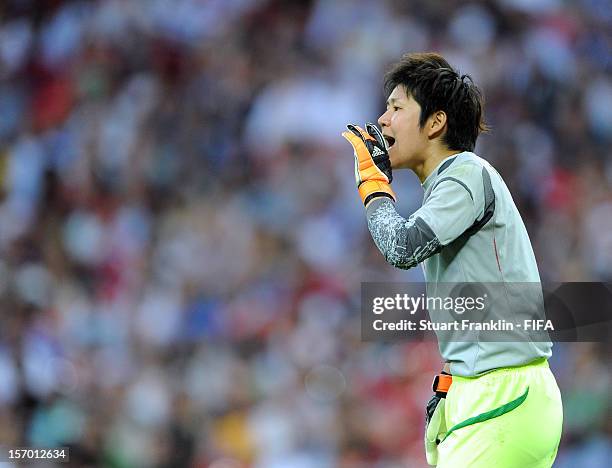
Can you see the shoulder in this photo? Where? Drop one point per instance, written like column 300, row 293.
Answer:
column 466, row 163
column 470, row 169
column 465, row 169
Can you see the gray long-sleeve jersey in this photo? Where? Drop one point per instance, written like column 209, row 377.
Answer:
column 467, row 230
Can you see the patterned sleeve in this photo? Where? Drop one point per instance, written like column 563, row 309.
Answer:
column 448, row 212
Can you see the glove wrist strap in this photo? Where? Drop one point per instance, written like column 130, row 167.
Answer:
column 441, row 384
column 370, row 189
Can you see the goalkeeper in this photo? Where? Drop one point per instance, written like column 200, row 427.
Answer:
column 496, row 404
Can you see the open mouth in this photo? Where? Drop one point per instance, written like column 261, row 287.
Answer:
column 390, row 140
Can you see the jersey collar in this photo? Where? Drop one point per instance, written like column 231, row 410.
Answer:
column 444, row 164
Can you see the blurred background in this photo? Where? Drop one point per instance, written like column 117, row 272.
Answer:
column 182, row 245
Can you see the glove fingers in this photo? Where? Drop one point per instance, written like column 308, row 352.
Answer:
column 377, row 134
column 353, row 129
column 431, row 407
column 356, row 141
column 436, row 424
column 360, row 132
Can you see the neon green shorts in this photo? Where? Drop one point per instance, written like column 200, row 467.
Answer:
column 507, row 418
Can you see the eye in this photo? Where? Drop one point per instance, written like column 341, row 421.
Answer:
column 395, row 108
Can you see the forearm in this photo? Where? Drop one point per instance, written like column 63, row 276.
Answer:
column 403, row 242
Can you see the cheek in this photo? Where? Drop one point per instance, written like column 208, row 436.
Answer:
column 405, row 124
column 414, row 131
column 406, row 133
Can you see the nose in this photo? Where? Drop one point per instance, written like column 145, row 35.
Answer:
column 383, row 120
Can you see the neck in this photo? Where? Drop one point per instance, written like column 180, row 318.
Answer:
column 431, row 161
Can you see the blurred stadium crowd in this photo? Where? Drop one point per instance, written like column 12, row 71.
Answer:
column 182, row 246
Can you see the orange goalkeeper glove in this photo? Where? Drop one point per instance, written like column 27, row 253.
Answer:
column 372, row 166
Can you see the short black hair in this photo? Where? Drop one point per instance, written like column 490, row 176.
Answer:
column 435, row 85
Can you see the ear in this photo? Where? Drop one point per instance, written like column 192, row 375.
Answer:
column 436, row 124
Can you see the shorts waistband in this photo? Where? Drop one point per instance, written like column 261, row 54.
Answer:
column 540, row 362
